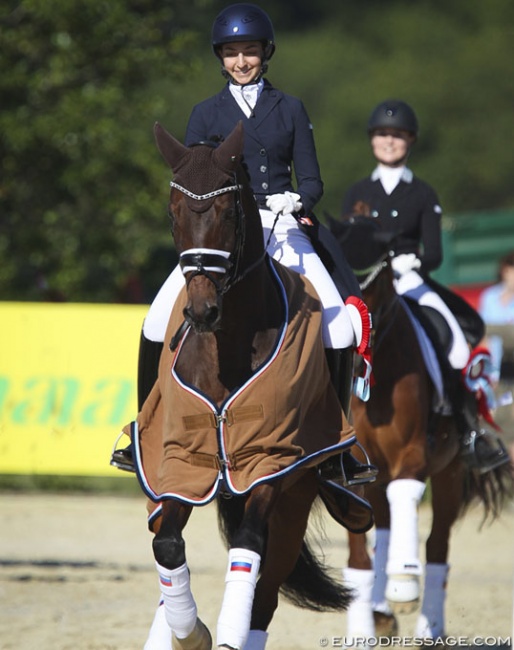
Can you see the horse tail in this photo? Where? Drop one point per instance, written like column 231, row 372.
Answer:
column 492, row 489
column 311, row 584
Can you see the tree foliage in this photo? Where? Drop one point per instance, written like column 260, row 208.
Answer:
column 83, row 190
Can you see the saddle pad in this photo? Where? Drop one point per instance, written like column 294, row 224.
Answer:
column 430, row 357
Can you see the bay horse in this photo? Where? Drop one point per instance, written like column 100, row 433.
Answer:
column 243, row 411
column 411, row 441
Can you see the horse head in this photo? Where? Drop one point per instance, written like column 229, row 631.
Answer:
column 214, row 219
column 367, row 249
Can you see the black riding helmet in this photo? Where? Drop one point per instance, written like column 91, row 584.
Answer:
column 243, row 22
column 393, row 114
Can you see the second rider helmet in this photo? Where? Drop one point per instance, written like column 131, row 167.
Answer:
column 393, row 114
column 243, row 22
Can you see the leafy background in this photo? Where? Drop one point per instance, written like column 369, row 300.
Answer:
column 83, row 190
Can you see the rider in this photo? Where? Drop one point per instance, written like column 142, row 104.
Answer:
column 409, row 208
column 278, row 138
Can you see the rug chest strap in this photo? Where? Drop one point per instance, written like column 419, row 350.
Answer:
column 232, row 416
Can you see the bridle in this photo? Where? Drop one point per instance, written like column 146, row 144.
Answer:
column 206, row 261
column 371, row 274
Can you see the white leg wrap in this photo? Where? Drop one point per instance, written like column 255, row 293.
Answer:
column 359, row 615
column 381, row 550
column 236, row 609
column 179, row 604
column 159, row 637
column 430, row 624
column 256, row 640
column 404, row 496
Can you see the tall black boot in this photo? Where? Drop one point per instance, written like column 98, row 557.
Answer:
column 147, row 371
column 345, row 467
column 481, row 449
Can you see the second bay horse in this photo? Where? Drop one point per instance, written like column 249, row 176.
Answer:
column 411, row 441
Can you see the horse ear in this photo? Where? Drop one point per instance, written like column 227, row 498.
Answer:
column 228, row 154
column 171, row 149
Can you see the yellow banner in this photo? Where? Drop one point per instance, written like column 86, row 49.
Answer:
column 67, row 385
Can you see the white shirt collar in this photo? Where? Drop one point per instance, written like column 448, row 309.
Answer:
column 247, row 96
column 391, row 176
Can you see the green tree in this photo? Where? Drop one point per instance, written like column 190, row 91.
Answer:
column 82, row 191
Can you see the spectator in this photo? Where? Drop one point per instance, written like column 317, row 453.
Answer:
column 496, row 306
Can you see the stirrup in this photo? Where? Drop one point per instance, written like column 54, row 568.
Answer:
column 122, row 458
column 346, row 470
column 489, row 454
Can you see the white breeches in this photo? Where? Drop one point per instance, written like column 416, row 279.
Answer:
column 290, row 246
column 411, row 284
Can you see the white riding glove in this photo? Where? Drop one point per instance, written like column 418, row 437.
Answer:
column 404, row 263
column 286, row 203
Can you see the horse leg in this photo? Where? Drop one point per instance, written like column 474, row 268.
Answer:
column 370, row 614
column 359, row 577
column 447, row 498
column 386, row 624
column 180, row 612
column 403, row 564
column 286, row 531
column 243, row 568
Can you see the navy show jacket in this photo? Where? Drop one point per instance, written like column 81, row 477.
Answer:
column 412, row 212
column 278, row 137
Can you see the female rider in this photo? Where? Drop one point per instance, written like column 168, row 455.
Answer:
column 278, row 138
column 409, row 208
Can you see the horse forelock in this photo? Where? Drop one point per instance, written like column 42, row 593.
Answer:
column 200, row 174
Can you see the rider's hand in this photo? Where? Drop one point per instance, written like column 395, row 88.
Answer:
column 286, row 203
column 404, row 263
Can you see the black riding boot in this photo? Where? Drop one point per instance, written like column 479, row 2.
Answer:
column 345, row 467
column 481, row 449
column 147, row 371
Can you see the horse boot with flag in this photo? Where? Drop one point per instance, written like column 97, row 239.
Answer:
column 345, row 468
column 147, row 371
column 472, row 398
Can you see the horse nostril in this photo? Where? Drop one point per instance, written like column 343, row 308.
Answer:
column 212, row 315
column 203, row 320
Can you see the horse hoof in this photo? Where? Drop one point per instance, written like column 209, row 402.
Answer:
column 386, row 625
column 402, row 592
column 199, row 639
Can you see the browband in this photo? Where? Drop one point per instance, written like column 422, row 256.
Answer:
column 209, row 195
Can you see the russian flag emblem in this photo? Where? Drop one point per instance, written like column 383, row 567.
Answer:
column 241, row 565
column 165, row 581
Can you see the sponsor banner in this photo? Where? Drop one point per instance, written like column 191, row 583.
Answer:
column 67, row 385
